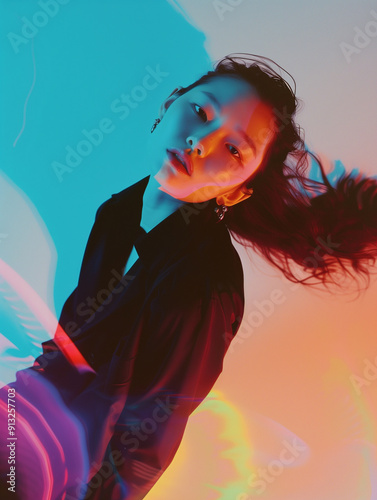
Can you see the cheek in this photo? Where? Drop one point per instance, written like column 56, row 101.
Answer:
column 252, row 166
column 219, row 164
column 232, row 172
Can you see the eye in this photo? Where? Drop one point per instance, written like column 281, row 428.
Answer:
column 233, row 151
column 200, row 112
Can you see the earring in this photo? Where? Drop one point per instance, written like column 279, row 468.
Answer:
column 156, row 122
column 220, row 212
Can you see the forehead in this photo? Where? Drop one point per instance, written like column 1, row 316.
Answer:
column 228, row 89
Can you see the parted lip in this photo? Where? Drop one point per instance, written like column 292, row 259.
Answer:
column 183, row 158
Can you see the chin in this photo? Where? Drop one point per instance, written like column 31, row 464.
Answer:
column 182, row 195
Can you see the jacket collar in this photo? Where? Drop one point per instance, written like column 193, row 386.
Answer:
column 190, row 223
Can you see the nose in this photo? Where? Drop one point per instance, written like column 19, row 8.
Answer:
column 195, row 145
column 203, row 143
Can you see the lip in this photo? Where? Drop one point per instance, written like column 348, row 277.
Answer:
column 183, row 158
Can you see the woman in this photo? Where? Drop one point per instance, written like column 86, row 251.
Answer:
column 160, row 292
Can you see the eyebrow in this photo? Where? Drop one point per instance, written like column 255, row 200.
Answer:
column 213, row 99
column 247, row 139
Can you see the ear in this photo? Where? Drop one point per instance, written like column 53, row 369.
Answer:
column 235, row 196
column 169, row 100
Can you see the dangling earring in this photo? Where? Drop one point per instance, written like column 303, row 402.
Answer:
column 220, row 211
column 221, row 208
column 156, row 122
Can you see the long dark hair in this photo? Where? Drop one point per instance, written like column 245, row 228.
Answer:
column 330, row 235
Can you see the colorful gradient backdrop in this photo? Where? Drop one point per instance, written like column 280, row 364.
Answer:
column 293, row 416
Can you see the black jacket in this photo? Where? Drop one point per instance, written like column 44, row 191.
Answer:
column 156, row 338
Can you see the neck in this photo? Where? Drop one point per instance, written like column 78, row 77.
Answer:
column 157, row 205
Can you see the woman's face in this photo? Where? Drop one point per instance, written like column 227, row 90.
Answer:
column 220, row 129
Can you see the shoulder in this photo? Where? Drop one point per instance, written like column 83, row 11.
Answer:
column 122, row 200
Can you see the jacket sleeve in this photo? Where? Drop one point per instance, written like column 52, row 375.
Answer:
column 185, row 354
column 106, row 252
column 52, row 362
